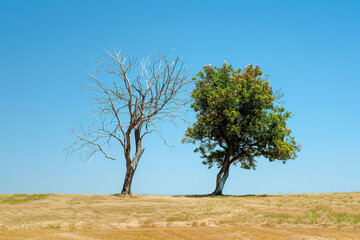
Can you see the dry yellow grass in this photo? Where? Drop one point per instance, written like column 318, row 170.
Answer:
column 299, row 216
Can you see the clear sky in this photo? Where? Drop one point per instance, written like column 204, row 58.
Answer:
column 310, row 49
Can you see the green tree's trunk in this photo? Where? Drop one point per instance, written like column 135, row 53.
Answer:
column 221, row 179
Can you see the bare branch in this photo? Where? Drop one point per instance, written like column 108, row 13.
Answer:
column 128, row 95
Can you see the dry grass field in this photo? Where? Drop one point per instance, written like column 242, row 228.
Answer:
column 299, row 216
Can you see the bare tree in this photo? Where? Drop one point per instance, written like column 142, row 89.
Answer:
column 130, row 98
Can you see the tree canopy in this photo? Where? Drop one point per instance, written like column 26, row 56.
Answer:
column 239, row 118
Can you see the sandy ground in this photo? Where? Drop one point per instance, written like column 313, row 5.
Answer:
column 300, row 216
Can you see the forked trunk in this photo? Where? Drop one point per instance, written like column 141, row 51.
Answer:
column 130, row 170
column 132, row 164
column 128, row 180
column 221, row 179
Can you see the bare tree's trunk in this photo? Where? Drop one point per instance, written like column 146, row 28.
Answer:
column 131, row 165
column 128, row 180
column 221, row 179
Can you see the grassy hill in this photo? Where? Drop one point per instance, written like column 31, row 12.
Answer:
column 63, row 216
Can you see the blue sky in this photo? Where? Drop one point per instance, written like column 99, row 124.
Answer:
column 310, row 49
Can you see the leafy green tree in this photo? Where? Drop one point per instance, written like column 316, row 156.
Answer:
column 239, row 119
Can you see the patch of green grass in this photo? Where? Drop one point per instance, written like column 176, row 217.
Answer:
column 342, row 218
column 312, row 215
column 356, row 219
column 277, row 216
column 51, row 226
column 280, row 218
column 178, row 218
column 23, row 198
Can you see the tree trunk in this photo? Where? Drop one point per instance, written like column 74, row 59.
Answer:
column 130, row 170
column 132, row 165
column 126, row 190
column 221, row 179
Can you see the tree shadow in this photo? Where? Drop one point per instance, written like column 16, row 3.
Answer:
column 225, row 196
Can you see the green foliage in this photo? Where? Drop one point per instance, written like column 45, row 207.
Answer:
column 239, row 118
column 23, row 198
